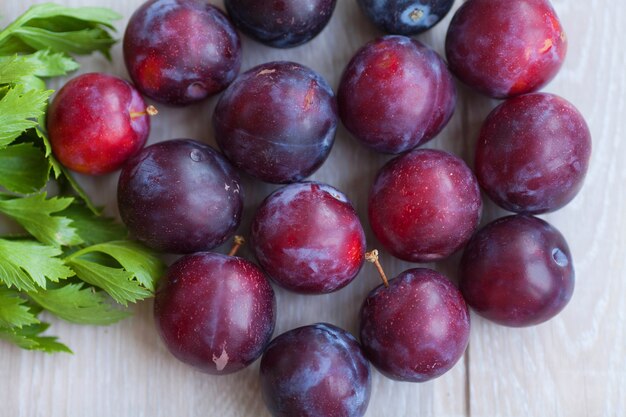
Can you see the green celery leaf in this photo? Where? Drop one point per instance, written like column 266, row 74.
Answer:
column 19, row 110
column 80, row 305
column 14, row 68
column 23, row 168
column 26, row 264
column 135, row 258
column 41, row 64
column 51, row 11
column 28, row 337
column 91, row 228
column 115, row 281
column 13, row 310
column 28, row 32
column 35, row 214
column 80, row 42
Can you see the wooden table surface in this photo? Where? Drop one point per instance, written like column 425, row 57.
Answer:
column 574, row 365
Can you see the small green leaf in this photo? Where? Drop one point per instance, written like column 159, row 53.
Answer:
column 26, row 264
column 50, row 11
column 13, row 311
column 23, row 168
column 115, row 281
column 28, row 337
column 145, row 266
column 80, row 305
column 41, row 64
column 35, row 214
column 19, row 110
column 14, row 68
column 91, row 228
column 80, row 42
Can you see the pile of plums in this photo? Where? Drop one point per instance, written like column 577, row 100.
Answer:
column 277, row 122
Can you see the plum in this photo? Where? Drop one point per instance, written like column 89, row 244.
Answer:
column 533, row 153
column 277, row 122
column 180, row 196
column 308, row 238
column 424, row 205
column 415, row 329
column 96, row 122
column 517, row 271
column 281, row 23
column 215, row 312
column 505, row 48
column 405, row 17
column 395, row 94
column 315, row 371
column 181, row 51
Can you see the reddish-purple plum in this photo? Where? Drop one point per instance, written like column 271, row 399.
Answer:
column 532, row 153
column 308, row 238
column 96, row 122
column 417, row 328
column 281, row 23
column 180, row 196
column 181, row 51
column 424, row 205
column 405, row 17
column 315, row 371
column 504, row 48
column 517, row 271
column 215, row 312
column 396, row 94
column 277, row 122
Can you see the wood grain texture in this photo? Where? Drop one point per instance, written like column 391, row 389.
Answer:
column 574, row 365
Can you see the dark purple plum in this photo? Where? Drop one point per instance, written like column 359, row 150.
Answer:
column 308, row 238
column 424, row 205
column 277, row 122
column 405, row 17
column 315, row 371
column 505, row 48
column 96, row 122
column 215, row 312
column 281, row 23
column 396, row 94
column 181, row 51
column 417, row 328
column 517, row 271
column 533, row 153
column 180, row 196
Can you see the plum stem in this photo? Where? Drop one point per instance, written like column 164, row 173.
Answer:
column 238, row 242
column 372, row 257
column 150, row 111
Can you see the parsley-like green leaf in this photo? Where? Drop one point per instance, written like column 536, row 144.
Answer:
column 80, row 42
column 14, row 68
column 35, row 214
column 93, row 229
column 115, row 281
column 77, row 304
column 135, row 258
column 26, row 264
column 23, row 168
column 28, row 337
column 19, row 110
column 61, row 29
column 13, row 310
column 41, row 64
